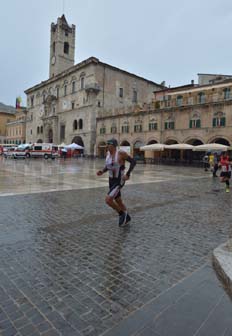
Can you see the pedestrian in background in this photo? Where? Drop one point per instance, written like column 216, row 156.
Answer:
column 206, row 161
column 215, row 164
column 225, row 165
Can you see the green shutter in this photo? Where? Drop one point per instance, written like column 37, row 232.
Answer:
column 214, row 122
column 190, row 124
column 198, row 124
column 166, row 125
column 223, row 121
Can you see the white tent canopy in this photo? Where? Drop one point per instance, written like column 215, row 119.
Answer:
column 74, row 146
column 211, row 147
column 180, row 146
column 154, row 147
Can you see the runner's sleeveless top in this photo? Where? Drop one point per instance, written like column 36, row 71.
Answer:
column 113, row 166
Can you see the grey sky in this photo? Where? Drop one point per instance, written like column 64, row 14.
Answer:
column 172, row 40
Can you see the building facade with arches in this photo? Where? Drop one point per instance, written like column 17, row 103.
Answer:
column 64, row 108
column 194, row 114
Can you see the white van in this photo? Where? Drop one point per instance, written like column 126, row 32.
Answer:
column 42, row 150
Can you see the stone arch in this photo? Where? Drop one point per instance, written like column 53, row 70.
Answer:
column 194, row 141
column 152, row 141
column 78, row 140
column 171, row 141
column 220, row 140
column 39, row 141
column 124, row 143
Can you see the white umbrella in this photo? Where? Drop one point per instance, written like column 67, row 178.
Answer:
column 211, row 146
column 181, row 146
column 154, row 147
column 62, row 145
column 74, row 146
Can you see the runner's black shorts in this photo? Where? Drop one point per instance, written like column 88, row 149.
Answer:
column 225, row 174
column 115, row 185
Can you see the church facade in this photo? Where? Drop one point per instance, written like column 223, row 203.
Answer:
column 65, row 107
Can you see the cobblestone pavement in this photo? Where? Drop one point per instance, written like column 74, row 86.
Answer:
column 65, row 266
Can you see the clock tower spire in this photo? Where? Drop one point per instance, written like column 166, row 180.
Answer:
column 62, row 46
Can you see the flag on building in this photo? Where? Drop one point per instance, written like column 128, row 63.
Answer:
column 18, row 102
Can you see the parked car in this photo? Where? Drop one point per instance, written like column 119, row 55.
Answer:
column 42, row 150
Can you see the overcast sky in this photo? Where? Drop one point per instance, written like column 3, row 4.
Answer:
column 170, row 40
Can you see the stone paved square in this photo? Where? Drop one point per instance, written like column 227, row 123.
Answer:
column 66, row 268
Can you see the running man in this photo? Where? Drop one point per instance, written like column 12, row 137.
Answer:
column 225, row 170
column 115, row 164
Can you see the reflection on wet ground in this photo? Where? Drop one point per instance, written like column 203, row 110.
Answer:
column 65, row 266
column 33, row 176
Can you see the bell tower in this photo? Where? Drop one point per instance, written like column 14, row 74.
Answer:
column 62, row 46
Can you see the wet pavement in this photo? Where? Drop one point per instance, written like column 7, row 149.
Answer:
column 65, row 266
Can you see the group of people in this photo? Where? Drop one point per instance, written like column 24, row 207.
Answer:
column 216, row 161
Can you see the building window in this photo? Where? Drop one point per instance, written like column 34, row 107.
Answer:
column 57, row 92
column 44, row 98
column 102, row 130
column 65, row 90
column 62, row 132
column 219, row 121
column 80, row 123
column 113, row 129
column 152, row 126
column 179, row 101
column 73, row 87
column 41, row 129
column 99, row 104
column 54, row 48
column 138, row 128
column 75, row 125
column 38, row 130
column 201, row 98
column 82, row 82
column 32, row 101
column 66, row 48
column 226, row 93
column 169, row 125
column 121, row 92
column 31, row 131
column 195, row 123
column 66, row 32
column 125, row 129
column 73, row 105
column 135, row 97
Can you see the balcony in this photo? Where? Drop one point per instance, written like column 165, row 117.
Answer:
column 93, row 87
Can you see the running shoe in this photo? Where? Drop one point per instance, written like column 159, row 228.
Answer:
column 128, row 218
column 122, row 218
column 227, row 189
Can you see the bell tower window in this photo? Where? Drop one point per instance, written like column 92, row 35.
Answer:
column 66, row 48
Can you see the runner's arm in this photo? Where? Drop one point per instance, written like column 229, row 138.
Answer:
column 102, row 171
column 132, row 162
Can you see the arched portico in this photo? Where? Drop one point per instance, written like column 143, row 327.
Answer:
column 220, row 140
column 152, row 141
